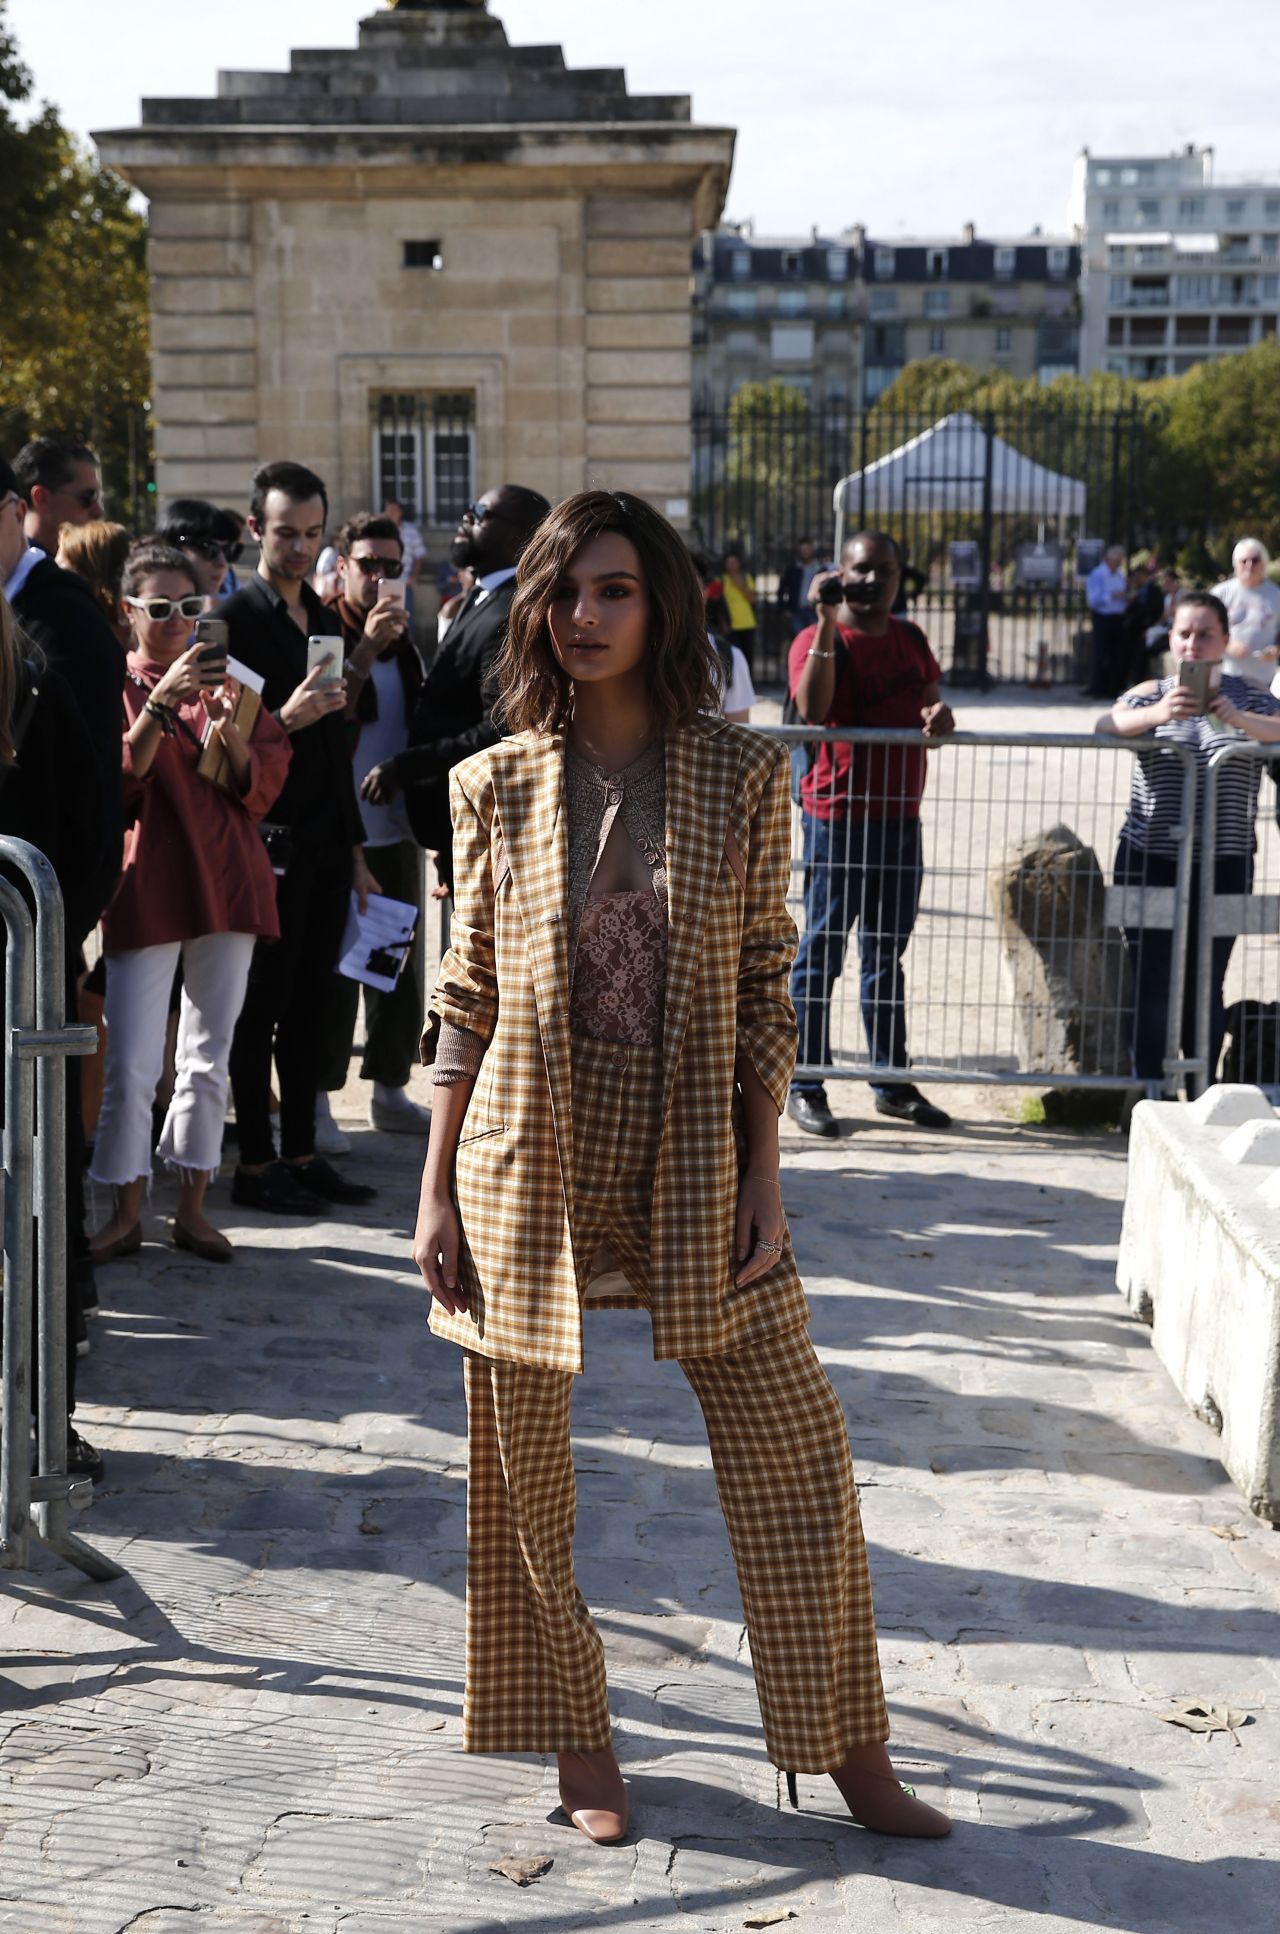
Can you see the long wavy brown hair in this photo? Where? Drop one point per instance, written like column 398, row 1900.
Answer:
column 96, row 552
column 536, row 692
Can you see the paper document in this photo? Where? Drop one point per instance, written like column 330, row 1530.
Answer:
column 251, row 680
column 378, row 941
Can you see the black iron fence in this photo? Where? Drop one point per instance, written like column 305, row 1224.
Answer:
column 1000, row 514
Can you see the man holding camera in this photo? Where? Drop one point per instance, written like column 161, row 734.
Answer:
column 861, row 666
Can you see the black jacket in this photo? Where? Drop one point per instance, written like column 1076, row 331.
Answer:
column 454, row 714
column 51, row 798
column 319, row 796
column 59, row 613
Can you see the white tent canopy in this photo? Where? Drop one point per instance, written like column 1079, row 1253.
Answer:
column 944, row 468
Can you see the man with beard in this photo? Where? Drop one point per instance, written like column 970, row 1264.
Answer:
column 454, row 713
column 314, row 838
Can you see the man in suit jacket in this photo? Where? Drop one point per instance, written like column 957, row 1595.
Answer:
column 454, row 713
column 59, row 613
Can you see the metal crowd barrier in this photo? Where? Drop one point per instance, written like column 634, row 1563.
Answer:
column 37, row 1037
column 1250, row 920
column 1022, row 955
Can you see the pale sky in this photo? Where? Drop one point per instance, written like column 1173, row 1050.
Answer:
column 914, row 117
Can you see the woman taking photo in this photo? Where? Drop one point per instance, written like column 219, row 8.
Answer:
column 612, row 1039
column 197, row 888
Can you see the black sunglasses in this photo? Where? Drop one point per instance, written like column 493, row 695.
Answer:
column 379, row 567
column 207, row 547
column 476, row 513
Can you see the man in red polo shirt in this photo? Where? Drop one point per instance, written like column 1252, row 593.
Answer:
column 860, row 666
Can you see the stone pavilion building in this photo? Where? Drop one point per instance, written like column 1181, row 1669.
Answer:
column 422, row 266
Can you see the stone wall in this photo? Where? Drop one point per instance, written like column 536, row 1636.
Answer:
column 565, row 210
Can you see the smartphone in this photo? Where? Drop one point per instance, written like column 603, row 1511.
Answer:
column 1202, row 679
column 391, row 591
column 320, row 649
column 211, row 650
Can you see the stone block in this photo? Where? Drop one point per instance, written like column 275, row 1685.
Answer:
column 628, row 440
column 639, row 331
column 638, row 406
column 199, row 221
column 666, row 368
column 616, row 295
column 659, row 482
column 234, row 258
column 1200, row 1250
column 200, row 295
column 1068, row 969
column 226, row 483
column 638, row 258
column 195, row 369
column 609, row 217
column 210, row 405
column 533, row 404
column 533, row 443
column 234, row 442
column 203, row 332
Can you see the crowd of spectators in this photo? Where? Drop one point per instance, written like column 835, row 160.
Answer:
column 190, row 749
column 223, row 767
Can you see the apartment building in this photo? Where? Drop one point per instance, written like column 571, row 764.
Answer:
column 1176, row 265
column 837, row 317
column 1006, row 304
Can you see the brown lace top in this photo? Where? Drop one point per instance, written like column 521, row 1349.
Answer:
column 617, row 941
column 619, row 969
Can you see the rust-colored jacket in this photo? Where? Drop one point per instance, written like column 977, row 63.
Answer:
column 506, row 978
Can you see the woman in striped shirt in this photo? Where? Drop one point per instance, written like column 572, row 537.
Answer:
column 1148, row 849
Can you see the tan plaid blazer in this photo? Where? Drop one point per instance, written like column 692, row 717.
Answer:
column 506, row 977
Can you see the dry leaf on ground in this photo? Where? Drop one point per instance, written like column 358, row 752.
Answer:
column 1226, row 1531
column 523, row 1869
column 1200, row 1716
column 771, row 1920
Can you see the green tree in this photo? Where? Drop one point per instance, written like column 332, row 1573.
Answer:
column 1218, row 475
column 73, row 322
column 774, row 473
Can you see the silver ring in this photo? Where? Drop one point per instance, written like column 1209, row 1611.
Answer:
column 774, row 1248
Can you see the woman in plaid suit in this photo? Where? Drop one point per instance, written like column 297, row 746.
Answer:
column 612, row 1039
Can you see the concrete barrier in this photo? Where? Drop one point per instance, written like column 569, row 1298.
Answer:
column 1200, row 1261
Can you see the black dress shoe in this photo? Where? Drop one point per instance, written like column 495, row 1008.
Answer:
column 810, row 1112
column 321, row 1179
column 908, row 1104
column 82, row 1459
column 274, row 1191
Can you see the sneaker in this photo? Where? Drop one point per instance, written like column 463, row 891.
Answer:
column 275, row 1191
column 808, row 1110
column 400, row 1116
column 330, row 1139
column 906, row 1103
column 318, row 1179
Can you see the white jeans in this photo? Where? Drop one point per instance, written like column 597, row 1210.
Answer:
column 215, row 972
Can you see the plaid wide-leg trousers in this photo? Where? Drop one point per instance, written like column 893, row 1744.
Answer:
column 535, row 1663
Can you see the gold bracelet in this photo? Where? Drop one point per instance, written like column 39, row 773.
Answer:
column 763, row 1178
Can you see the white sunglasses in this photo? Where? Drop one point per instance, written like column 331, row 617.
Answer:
column 160, row 610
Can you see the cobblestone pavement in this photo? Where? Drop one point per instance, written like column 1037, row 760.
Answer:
column 257, row 1731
